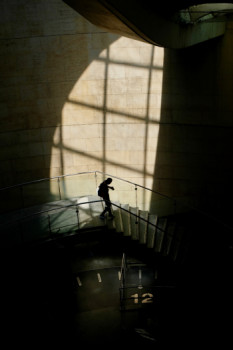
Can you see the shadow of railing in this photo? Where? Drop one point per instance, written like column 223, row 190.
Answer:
column 25, row 222
column 59, row 222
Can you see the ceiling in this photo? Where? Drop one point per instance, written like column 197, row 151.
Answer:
column 168, row 24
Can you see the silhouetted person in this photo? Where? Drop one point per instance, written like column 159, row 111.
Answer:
column 103, row 192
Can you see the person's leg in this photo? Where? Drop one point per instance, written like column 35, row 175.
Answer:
column 103, row 212
column 107, row 208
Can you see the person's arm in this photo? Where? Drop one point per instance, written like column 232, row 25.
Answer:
column 112, row 188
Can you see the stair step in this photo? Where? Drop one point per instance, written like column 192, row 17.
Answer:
column 143, row 226
column 160, row 232
column 126, row 220
column 185, row 245
column 63, row 220
column 88, row 213
column 164, row 236
column 151, row 230
column 37, row 227
column 96, row 209
column 170, row 231
column 117, row 217
column 177, row 242
column 134, row 223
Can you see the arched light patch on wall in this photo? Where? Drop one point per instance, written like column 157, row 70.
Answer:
column 110, row 121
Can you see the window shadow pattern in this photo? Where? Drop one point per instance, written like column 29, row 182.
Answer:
column 105, row 109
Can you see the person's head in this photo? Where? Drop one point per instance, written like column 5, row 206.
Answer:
column 109, row 180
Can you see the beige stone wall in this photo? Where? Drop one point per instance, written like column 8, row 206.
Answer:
column 110, row 118
column 196, row 126
column 74, row 99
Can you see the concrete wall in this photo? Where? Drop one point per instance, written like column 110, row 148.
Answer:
column 74, row 98
column 196, row 138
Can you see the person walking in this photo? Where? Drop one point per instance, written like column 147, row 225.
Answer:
column 103, row 191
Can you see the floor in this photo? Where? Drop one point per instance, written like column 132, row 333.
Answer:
column 67, row 293
column 99, row 319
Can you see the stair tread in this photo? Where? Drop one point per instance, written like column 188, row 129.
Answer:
column 89, row 212
column 117, row 217
column 134, row 223
column 160, row 232
column 143, row 215
column 167, row 238
column 151, row 230
column 126, row 219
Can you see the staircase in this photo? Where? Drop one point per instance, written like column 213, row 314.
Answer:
column 169, row 243
column 155, row 236
column 166, row 237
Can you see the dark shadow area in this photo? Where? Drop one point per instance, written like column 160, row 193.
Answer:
column 194, row 149
column 37, row 301
column 43, row 300
column 193, row 164
column 38, row 290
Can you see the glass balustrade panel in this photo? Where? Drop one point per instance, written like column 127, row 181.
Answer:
column 124, row 192
column 77, row 186
column 41, row 192
column 154, row 202
column 143, row 198
column 35, row 227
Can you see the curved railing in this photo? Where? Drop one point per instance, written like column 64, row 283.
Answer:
column 65, row 187
column 50, row 224
column 29, row 198
column 81, row 184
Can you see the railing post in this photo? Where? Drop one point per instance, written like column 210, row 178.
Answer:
column 21, row 195
column 49, row 225
column 21, row 231
column 59, row 189
column 122, row 282
column 136, row 194
column 77, row 212
column 96, row 180
column 174, row 204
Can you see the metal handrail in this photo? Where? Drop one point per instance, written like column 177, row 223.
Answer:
column 132, row 183
column 81, row 173
column 20, row 220
column 122, row 272
column 44, row 179
column 52, row 209
column 75, row 205
column 90, row 172
column 205, row 214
